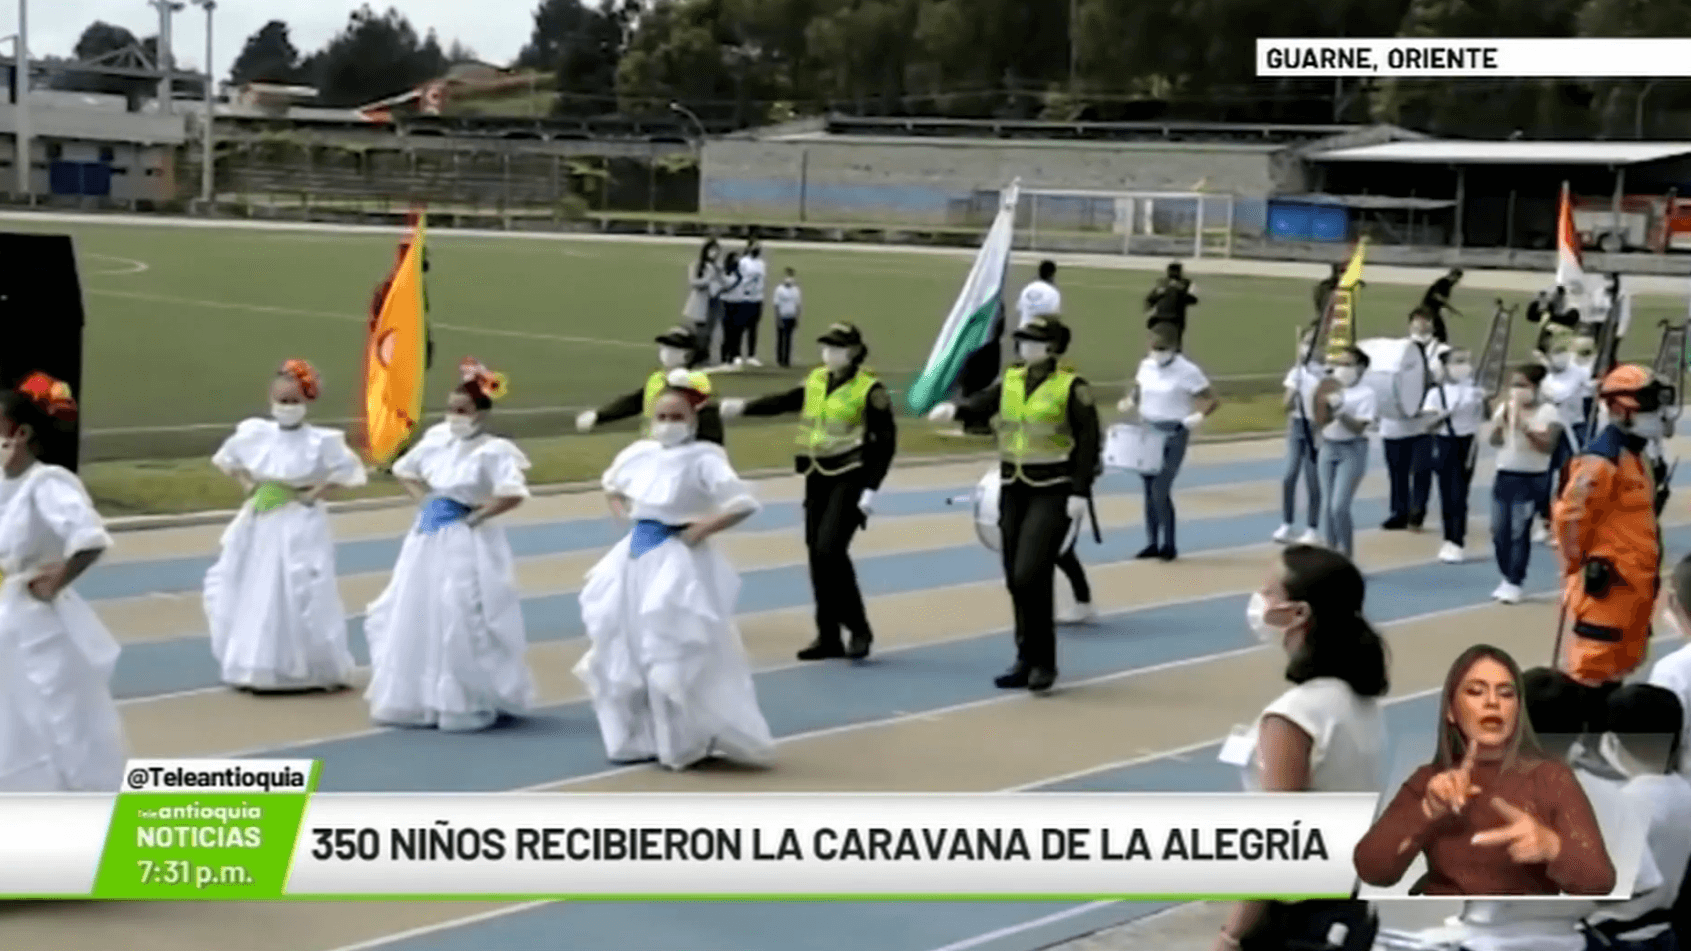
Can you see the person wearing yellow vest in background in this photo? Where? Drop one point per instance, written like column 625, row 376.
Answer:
column 846, row 442
column 1607, row 535
column 676, row 347
column 1049, row 448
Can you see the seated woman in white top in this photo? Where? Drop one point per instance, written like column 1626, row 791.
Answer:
column 1303, row 442
column 1325, row 734
column 1525, row 429
column 447, row 644
column 272, row 601
column 667, row 672
column 1344, row 409
column 59, row 727
column 1174, row 398
column 1454, row 410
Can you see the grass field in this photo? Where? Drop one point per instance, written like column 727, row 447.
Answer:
column 186, row 325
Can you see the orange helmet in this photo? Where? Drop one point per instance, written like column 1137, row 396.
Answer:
column 1635, row 388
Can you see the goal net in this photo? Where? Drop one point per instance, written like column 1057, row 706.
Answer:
column 1181, row 224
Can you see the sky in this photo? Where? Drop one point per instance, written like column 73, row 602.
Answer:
column 494, row 29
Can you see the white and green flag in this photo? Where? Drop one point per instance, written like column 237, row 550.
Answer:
column 969, row 327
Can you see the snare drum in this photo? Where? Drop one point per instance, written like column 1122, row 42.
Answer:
column 986, row 510
column 1398, row 375
column 1135, row 446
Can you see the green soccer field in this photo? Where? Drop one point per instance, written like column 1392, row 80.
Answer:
column 186, row 326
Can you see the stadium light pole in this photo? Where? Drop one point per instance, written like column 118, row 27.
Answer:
column 167, row 61
column 24, row 157
column 208, row 157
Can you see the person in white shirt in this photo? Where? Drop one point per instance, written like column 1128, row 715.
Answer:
column 1525, row 430
column 789, row 306
column 1454, row 410
column 1303, row 443
column 1174, row 398
column 1568, row 387
column 732, row 306
column 754, row 272
column 1673, row 671
column 1409, row 447
column 1642, row 745
column 1344, row 409
column 1325, row 734
column 1041, row 297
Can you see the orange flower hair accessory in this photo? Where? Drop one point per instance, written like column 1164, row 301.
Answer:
column 305, row 375
column 492, row 385
column 52, row 397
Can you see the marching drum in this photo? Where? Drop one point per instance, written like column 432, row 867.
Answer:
column 986, row 514
column 1135, row 446
column 1397, row 373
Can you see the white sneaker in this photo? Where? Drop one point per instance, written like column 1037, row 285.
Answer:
column 1283, row 534
column 753, row 362
column 1311, row 537
column 1540, row 533
column 1507, row 593
column 1450, row 554
column 739, row 362
column 1082, row 613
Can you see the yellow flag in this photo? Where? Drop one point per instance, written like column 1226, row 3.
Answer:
column 1339, row 321
column 1353, row 271
column 395, row 359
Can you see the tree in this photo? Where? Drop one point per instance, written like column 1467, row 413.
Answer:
column 268, row 56
column 101, row 38
column 582, row 46
column 372, row 58
column 1621, row 104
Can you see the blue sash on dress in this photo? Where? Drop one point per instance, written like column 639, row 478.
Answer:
column 439, row 512
column 648, row 535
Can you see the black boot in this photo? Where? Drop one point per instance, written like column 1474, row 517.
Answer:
column 858, row 647
column 1016, row 678
column 822, row 649
column 1040, row 679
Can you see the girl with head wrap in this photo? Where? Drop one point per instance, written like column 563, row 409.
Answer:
column 667, row 673
column 275, row 611
column 59, row 727
column 447, row 644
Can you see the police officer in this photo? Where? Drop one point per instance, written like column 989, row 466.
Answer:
column 846, row 442
column 1049, row 447
column 676, row 349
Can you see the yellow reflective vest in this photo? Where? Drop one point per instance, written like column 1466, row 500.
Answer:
column 832, row 424
column 1033, row 428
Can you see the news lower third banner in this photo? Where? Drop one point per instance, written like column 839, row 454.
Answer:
column 240, row 830
column 1450, row 58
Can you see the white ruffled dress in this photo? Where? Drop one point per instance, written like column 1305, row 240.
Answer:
column 447, row 644
column 275, row 611
column 666, row 670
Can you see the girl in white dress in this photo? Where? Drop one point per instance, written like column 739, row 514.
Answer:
column 59, row 727
column 447, row 645
column 667, row 672
column 277, row 621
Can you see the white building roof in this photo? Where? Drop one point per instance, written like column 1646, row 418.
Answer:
column 1458, row 152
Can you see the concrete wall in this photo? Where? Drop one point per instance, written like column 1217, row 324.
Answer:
column 938, row 182
column 140, row 147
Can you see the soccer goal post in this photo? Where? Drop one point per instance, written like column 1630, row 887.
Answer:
column 1128, row 222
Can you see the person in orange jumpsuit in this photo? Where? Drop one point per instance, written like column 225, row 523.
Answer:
column 1607, row 535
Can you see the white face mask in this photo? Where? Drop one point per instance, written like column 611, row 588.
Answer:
column 460, row 425
column 672, row 358
column 1585, row 361
column 1032, row 351
column 1346, row 375
column 288, row 414
column 671, row 434
column 1461, row 372
column 1560, row 361
column 1256, row 615
column 836, row 358
column 1648, row 426
column 1522, row 394
column 1162, row 358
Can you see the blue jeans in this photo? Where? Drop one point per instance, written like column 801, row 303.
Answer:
column 1302, row 448
column 1515, row 499
column 1343, row 461
column 1159, row 489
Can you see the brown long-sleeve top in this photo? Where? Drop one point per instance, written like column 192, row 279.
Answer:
column 1546, row 789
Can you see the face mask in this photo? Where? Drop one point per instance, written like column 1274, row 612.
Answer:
column 1162, row 357
column 1560, row 361
column 1256, row 615
column 1585, row 360
column 1346, row 375
column 288, row 414
column 460, row 425
column 1420, row 336
column 1461, row 372
column 671, row 434
column 1031, row 351
column 836, row 358
column 1647, row 426
column 1521, row 394
column 672, row 358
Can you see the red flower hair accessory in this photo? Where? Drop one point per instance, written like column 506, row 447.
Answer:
column 52, row 397
column 492, row 385
column 305, row 375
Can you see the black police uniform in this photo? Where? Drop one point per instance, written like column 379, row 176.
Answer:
column 634, row 403
column 1033, row 518
column 833, row 486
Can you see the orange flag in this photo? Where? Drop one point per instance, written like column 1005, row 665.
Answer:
column 395, row 359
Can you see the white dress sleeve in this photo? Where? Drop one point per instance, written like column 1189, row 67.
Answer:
column 614, row 481
column 410, row 465
column 65, row 507
column 343, row 466
column 233, row 455
column 1311, row 708
column 727, row 491
column 1195, row 381
column 506, row 466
